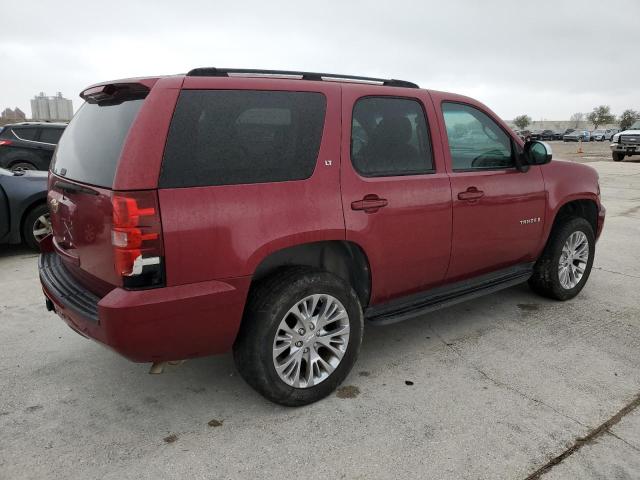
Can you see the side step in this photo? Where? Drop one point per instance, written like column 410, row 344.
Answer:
column 447, row 295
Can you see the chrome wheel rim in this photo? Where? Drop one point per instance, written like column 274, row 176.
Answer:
column 311, row 340
column 41, row 227
column 573, row 260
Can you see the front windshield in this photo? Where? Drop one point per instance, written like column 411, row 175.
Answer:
column 635, row 126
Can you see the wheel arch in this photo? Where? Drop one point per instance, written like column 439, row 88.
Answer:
column 344, row 259
column 22, row 155
column 581, row 207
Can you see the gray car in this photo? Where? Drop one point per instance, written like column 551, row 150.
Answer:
column 25, row 215
column 576, row 136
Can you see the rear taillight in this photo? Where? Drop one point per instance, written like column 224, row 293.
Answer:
column 136, row 236
column 5, row 143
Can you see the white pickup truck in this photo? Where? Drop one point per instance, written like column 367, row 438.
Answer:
column 626, row 143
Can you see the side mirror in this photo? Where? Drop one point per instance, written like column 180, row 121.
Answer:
column 537, row 153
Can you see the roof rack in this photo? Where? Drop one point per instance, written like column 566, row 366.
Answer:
column 250, row 72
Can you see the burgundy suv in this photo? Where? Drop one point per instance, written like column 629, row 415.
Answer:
column 273, row 212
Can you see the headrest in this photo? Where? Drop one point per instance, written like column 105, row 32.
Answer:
column 394, row 129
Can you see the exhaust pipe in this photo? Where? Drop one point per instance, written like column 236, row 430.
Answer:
column 158, row 367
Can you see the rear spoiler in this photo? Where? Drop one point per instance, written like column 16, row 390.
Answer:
column 114, row 93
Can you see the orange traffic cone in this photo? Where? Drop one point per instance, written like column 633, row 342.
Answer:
column 579, row 146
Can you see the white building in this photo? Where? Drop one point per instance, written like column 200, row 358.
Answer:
column 51, row 108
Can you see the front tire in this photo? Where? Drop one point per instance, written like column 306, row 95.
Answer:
column 565, row 264
column 618, row 157
column 300, row 336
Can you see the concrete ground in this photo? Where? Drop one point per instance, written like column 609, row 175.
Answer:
column 584, row 152
column 495, row 388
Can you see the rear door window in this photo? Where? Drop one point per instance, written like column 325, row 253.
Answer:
column 90, row 148
column 50, row 135
column 226, row 137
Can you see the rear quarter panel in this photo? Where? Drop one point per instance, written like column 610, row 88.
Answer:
column 219, row 232
column 141, row 158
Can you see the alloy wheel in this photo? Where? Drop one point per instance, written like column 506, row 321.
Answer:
column 573, row 260
column 311, row 340
column 41, row 227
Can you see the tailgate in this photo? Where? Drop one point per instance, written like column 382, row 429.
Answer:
column 81, row 219
column 81, row 182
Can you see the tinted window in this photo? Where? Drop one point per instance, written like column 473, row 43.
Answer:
column 223, row 137
column 475, row 140
column 91, row 145
column 25, row 133
column 389, row 136
column 50, row 135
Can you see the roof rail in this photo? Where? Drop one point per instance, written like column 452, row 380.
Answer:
column 250, row 72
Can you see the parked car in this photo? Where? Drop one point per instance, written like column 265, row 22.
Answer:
column 557, row 135
column 536, row 135
column 547, row 135
column 568, row 131
column 29, row 145
column 577, row 135
column 23, row 203
column 626, row 143
column 272, row 216
column 610, row 132
column 599, row 135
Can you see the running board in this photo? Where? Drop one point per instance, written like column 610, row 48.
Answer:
column 447, row 295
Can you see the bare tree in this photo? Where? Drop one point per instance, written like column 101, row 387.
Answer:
column 522, row 121
column 601, row 116
column 628, row 118
column 576, row 119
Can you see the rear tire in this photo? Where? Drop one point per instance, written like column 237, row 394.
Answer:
column 547, row 279
column 18, row 166
column 263, row 334
column 36, row 226
column 617, row 157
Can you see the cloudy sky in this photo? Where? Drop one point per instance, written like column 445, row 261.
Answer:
column 544, row 58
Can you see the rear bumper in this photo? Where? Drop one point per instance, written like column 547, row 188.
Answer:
column 169, row 323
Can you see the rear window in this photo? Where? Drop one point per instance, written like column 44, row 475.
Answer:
column 225, row 137
column 91, row 145
column 25, row 133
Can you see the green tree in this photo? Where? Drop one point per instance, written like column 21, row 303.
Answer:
column 601, row 116
column 522, row 121
column 628, row 118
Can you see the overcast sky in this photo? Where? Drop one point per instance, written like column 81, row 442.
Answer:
column 545, row 58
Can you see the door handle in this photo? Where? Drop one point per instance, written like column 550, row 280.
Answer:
column 472, row 193
column 370, row 203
